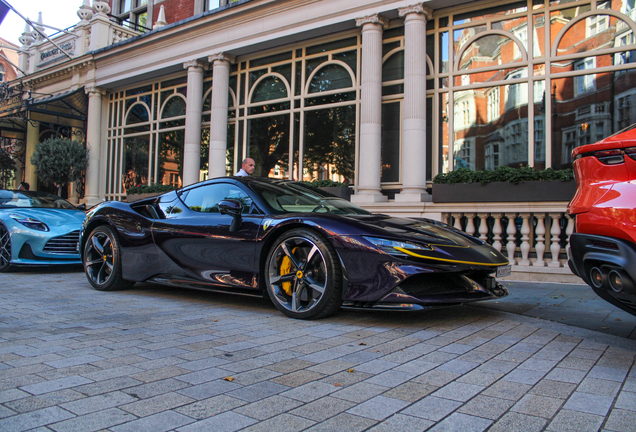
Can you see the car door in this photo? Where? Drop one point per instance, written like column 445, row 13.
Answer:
column 200, row 240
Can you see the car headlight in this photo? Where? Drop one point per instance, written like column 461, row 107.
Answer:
column 30, row 222
column 389, row 246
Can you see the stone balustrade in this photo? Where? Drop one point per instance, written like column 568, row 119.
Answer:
column 533, row 236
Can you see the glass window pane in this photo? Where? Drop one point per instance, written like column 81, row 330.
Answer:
column 492, row 12
column 135, row 169
column 329, row 144
column 487, row 51
column 331, row 46
column 174, row 107
column 330, row 77
column 393, row 67
column 206, row 198
column 491, row 127
column 593, row 33
column 391, row 127
column 170, row 158
column 268, row 143
column 269, row 89
column 212, row 4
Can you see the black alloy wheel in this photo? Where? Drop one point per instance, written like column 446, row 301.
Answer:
column 303, row 275
column 102, row 260
column 5, row 248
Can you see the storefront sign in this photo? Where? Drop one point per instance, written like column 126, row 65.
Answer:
column 54, row 53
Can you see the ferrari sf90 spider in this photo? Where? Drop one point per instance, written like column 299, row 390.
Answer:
column 310, row 251
column 38, row 228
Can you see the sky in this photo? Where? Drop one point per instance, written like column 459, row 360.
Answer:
column 56, row 13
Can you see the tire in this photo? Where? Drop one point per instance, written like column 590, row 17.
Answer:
column 303, row 275
column 102, row 260
column 5, row 249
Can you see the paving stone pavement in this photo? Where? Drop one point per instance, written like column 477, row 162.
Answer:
column 159, row 359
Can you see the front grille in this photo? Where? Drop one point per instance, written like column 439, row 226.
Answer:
column 66, row 244
column 422, row 285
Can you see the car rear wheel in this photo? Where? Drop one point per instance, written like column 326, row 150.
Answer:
column 303, row 275
column 5, row 248
column 102, row 260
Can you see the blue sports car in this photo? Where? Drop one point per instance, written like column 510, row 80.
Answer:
column 38, row 228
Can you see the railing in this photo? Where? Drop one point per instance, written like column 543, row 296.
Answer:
column 531, row 239
column 533, row 236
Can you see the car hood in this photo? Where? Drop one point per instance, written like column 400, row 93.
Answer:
column 51, row 217
column 421, row 230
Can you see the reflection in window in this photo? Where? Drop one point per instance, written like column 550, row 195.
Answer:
column 269, row 143
column 330, row 77
column 270, row 88
column 585, row 83
column 464, row 154
column 494, row 109
column 206, row 199
column 390, row 142
column 135, row 169
column 330, row 144
column 170, row 157
column 175, row 107
column 393, row 67
column 488, row 51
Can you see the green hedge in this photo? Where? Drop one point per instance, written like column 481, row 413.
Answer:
column 325, row 183
column 155, row 188
column 503, row 174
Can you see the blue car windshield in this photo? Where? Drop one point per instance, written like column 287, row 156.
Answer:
column 293, row 197
column 33, row 199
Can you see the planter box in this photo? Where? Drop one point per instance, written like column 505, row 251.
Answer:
column 138, row 197
column 533, row 191
column 343, row 192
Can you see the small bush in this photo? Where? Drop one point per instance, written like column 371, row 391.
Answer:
column 155, row 188
column 503, row 174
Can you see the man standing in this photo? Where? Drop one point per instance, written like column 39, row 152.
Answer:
column 247, row 168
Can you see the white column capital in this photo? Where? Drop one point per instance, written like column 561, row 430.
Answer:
column 92, row 90
column 195, row 64
column 417, row 8
column 221, row 57
column 372, row 19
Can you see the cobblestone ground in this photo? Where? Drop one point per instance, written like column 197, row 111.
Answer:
column 158, row 359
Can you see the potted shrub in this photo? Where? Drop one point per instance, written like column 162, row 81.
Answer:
column 504, row 184
column 339, row 189
column 60, row 161
column 139, row 192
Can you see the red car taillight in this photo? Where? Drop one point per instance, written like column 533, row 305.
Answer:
column 610, row 157
column 631, row 152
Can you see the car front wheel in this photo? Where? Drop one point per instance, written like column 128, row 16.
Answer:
column 5, row 248
column 303, row 275
column 102, row 260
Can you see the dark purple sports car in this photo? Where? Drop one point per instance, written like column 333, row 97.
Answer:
column 309, row 250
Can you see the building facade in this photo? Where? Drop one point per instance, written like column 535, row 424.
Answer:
column 383, row 95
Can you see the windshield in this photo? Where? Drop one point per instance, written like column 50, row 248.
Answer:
column 33, row 199
column 293, row 197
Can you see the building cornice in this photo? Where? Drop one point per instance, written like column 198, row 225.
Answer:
column 53, row 73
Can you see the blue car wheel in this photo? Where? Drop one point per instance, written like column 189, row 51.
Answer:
column 5, row 248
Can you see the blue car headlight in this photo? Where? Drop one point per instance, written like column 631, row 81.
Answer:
column 389, row 246
column 30, row 222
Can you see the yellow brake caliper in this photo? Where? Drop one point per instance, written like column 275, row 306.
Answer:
column 285, row 268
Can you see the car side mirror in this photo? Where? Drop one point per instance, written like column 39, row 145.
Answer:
column 232, row 207
column 81, row 206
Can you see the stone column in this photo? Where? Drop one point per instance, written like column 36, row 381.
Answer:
column 93, row 143
column 218, row 118
column 414, row 123
column 194, row 107
column 32, row 138
column 369, row 190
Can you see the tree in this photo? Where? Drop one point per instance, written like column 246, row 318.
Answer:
column 60, row 160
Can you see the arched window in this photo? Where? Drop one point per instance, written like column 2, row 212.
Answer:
column 486, row 51
column 174, row 107
column 137, row 114
column 270, row 88
column 2, row 73
column 393, row 67
column 330, row 77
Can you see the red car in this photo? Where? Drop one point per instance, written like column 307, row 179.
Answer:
column 603, row 248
